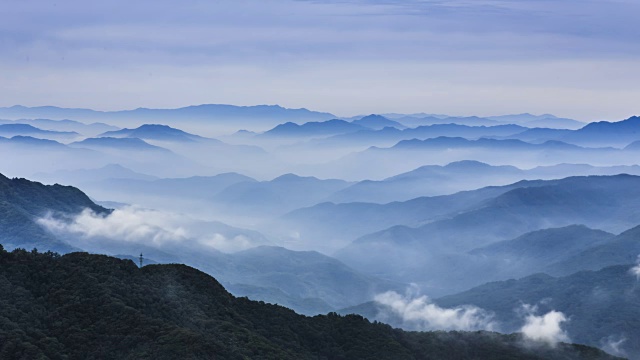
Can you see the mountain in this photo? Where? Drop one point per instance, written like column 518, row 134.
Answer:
column 64, row 126
column 416, row 254
column 389, row 136
column 171, row 189
column 209, row 113
column 538, row 135
column 27, row 155
column 93, row 306
column 407, row 155
column 547, row 245
column 601, row 305
column 544, row 120
column 333, row 226
column 539, row 250
column 634, row 146
column 118, row 144
column 444, row 142
column 313, row 129
column 23, row 202
column 377, row 122
column 597, row 134
column 301, row 274
column 604, row 133
column 622, row 249
column 434, row 180
column 555, row 123
column 277, row 196
column 430, row 180
column 9, row 130
column 32, row 143
column 156, row 132
column 411, row 121
column 90, row 129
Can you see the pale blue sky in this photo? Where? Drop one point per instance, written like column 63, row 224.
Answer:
column 574, row 58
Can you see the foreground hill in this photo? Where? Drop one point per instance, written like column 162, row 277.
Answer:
column 81, row 306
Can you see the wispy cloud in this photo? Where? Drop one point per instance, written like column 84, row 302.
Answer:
column 614, row 345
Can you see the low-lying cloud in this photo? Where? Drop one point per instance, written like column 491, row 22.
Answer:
column 421, row 313
column 544, row 328
column 149, row 227
column 636, row 269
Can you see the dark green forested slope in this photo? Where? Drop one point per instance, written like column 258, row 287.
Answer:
column 23, row 201
column 81, row 306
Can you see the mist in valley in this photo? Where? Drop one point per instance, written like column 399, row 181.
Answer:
column 330, row 213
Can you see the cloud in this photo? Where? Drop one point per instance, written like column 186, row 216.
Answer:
column 636, row 269
column 421, row 314
column 614, row 345
column 545, row 328
column 151, row 228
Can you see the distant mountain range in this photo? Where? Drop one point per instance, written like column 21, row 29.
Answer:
column 539, row 121
column 432, row 180
column 603, row 202
column 156, row 132
column 597, row 134
column 64, row 126
column 412, row 121
column 389, row 136
column 117, row 144
column 10, row 130
column 278, row 196
column 377, row 122
column 410, row 154
column 313, row 129
column 211, row 113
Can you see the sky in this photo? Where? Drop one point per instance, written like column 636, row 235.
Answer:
column 573, row 58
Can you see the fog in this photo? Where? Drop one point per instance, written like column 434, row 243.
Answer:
column 485, row 203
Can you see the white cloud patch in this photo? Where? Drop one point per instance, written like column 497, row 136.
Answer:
column 636, row 269
column 422, row 314
column 149, row 227
column 544, row 328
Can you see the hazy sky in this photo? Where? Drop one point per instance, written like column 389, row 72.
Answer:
column 574, row 58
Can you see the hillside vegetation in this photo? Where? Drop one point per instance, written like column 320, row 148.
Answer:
column 81, row 306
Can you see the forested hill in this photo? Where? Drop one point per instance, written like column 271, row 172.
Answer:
column 81, row 306
column 23, row 201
